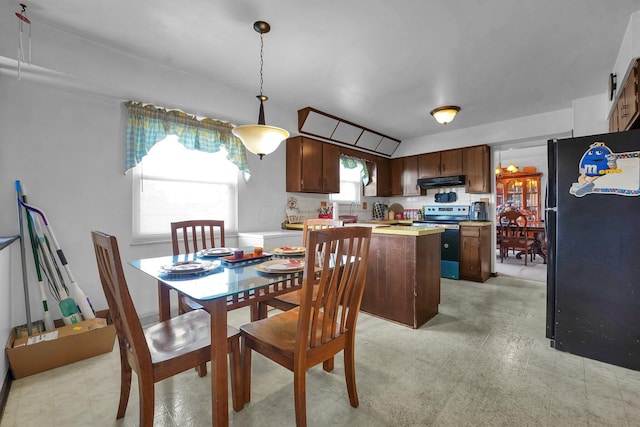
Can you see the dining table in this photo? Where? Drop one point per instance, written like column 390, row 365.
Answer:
column 222, row 284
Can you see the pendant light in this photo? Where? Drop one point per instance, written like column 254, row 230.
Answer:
column 445, row 114
column 260, row 139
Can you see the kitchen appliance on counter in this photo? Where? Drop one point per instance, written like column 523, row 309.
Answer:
column 478, row 211
column 449, row 218
column 593, row 238
column 379, row 210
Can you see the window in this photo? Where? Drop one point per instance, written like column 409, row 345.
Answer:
column 173, row 183
column 350, row 185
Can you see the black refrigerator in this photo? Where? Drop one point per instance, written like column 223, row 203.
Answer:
column 592, row 219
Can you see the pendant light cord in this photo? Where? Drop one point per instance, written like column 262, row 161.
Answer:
column 261, row 62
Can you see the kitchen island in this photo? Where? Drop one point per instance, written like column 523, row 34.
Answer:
column 403, row 274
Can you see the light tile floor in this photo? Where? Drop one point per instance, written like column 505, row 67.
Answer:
column 482, row 361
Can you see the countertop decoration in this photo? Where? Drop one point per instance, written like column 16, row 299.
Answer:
column 293, row 213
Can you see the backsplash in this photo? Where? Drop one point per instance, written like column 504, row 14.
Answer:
column 308, row 204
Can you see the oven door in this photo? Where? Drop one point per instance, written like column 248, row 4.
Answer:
column 449, row 249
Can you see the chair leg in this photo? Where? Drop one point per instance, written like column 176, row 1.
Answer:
column 125, row 385
column 327, row 365
column 246, row 371
column 202, row 370
column 235, row 366
column 146, row 393
column 350, row 373
column 300, row 398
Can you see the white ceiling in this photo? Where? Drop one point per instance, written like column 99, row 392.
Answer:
column 381, row 64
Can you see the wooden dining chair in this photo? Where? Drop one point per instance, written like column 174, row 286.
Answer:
column 195, row 236
column 291, row 300
column 159, row 351
column 514, row 235
column 317, row 329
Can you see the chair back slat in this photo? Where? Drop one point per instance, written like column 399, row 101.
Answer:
column 318, row 224
column 121, row 307
column 336, row 262
column 196, row 235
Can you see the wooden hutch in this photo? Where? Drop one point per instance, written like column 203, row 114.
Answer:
column 522, row 190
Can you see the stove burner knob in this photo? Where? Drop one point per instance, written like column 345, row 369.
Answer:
column 446, row 246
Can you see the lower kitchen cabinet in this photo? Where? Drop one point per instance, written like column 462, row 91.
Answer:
column 475, row 252
column 403, row 278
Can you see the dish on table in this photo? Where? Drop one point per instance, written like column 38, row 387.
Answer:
column 214, row 252
column 281, row 266
column 289, row 250
column 246, row 257
column 189, row 267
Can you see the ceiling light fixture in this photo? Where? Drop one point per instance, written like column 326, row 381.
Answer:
column 445, row 114
column 260, row 139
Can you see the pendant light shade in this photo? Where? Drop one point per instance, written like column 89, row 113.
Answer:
column 445, row 114
column 260, row 139
column 512, row 168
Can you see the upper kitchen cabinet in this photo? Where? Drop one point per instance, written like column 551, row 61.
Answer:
column 625, row 111
column 476, row 162
column 404, row 176
column 396, row 178
column 410, row 176
column 312, row 166
column 441, row 163
column 379, row 178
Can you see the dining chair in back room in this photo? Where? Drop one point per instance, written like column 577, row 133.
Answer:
column 159, row 351
column 512, row 227
column 318, row 329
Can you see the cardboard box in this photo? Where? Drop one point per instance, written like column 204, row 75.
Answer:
column 64, row 345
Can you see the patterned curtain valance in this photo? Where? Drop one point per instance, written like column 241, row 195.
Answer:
column 148, row 124
column 349, row 162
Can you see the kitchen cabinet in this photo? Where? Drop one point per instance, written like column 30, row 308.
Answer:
column 522, row 191
column 625, row 111
column 410, row 176
column 475, row 252
column 396, row 179
column 379, row 178
column 440, row 163
column 476, row 162
column 312, row 166
column 403, row 278
column 404, row 176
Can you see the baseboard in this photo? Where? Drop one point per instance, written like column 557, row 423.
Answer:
column 4, row 393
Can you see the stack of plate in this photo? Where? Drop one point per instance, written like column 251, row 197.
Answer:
column 289, row 250
column 214, row 252
column 189, row 267
column 281, row 266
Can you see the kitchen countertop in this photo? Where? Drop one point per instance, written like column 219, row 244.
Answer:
column 381, row 222
column 387, row 227
column 476, row 223
column 404, row 230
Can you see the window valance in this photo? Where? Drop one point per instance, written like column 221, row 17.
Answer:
column 148, row 124
column 349, row 162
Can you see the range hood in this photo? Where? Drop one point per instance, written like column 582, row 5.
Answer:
column 441, row 181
